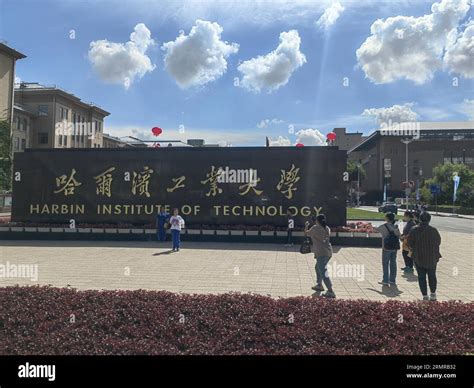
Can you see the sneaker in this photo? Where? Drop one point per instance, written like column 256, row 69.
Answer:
column 177, row 249
column 433, row 296
column 393, row 284
column 329, row 294
column 383, row 283
column 426, row 297
column 409, row 270
column 404, row 268
column 318, row 288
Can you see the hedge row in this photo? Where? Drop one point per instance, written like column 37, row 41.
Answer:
column 46, row 320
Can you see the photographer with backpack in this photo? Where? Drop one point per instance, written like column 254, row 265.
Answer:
column 390, row 246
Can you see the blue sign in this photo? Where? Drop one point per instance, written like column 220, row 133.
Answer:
column 435, row 189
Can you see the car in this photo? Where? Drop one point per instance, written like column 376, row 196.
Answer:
column 388, row 207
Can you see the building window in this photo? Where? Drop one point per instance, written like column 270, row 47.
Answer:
column 43, row 138
column 16, row 143
column 43, row 110
column 23, row 144
column 64, row 113
column 25, row 124
column 60, row 140
column 65, row 141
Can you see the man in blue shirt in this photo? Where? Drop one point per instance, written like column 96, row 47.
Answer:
column 161, row 219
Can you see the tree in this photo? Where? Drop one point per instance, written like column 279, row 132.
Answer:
column 443, row 176
column 352, row 170
column 5, row 156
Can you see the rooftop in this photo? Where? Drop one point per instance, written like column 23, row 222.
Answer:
column 10, row 51
column 426, row 129
column 35, row 87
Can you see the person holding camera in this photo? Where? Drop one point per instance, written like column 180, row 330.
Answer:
column 322, row 248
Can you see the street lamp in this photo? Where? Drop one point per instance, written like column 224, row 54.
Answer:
column 358, row 184
column 406, row 142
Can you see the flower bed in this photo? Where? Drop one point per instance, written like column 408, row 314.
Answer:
column 37, row 320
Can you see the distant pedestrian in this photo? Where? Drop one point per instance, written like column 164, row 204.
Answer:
column 425, row 240
column 290, row 227
column 177, row 224
column 408, row 218
column 390, row 246
column 162, row 219
column 322, row 248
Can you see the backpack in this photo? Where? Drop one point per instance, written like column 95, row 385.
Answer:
column 391, row 242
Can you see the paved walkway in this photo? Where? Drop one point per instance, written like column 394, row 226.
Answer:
column 224, row 267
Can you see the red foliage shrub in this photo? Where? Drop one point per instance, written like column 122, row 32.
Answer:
column 37, row 320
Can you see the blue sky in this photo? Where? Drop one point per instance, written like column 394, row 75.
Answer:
column 310, row 94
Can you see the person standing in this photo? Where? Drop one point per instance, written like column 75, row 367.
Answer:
column 322, row 248
column 177, row 224
column 161, row 222
column 408, row 218
column 425, row 240
column 290, row 227
column 390, row 246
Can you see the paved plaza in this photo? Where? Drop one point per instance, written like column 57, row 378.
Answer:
column 267, row 269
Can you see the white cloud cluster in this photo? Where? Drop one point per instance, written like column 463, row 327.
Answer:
column 330, row 15
column 310, row 137
column 122, row 63
column 200, row 57
column 394, row 114
column 266, row 122
column 274, row 69
column 280, row 142
column 412, row 48
column 459, row 57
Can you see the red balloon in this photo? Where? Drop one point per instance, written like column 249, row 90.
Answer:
column 300, row 145
column 331, row 136
column 156, row 131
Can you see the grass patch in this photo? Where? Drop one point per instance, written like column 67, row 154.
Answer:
column 359, row 214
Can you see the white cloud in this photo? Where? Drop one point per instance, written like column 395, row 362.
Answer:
column 200, row 57
column 467, row 108
column 310, row 137
column 266, row 122
column 459, row 57
column 394, row 114
column 330, row 15
column 274, row 69
column 121, row 63
column 280, row 142
column 406, row 47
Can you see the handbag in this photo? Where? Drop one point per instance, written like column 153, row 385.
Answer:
column 306, row 246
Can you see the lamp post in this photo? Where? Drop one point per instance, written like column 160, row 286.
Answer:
column 358, row 184
column 406, row 142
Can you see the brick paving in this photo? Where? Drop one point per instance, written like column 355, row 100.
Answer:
column 267, row 269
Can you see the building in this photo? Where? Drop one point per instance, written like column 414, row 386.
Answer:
column 345, row 141
column 22, row 128
column 55, row 119
column 110, row 141
column 383, row 155
column 8, row 58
